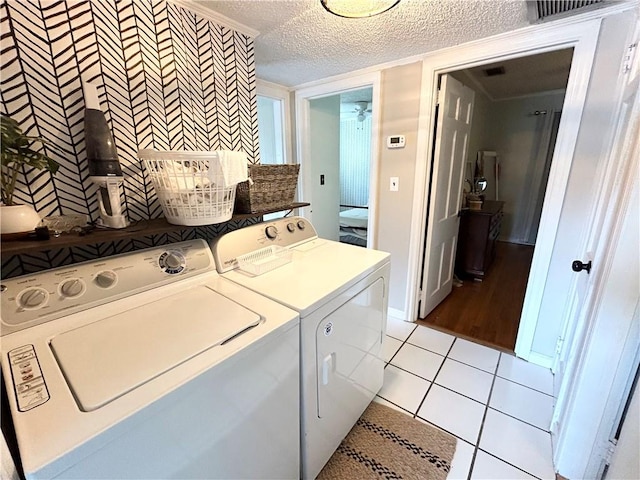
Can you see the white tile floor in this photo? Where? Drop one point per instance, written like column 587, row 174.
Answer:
column 498, row 406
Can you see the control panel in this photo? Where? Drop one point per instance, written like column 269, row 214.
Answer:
column 284, row 232
column 33, row 299
column 26, row 375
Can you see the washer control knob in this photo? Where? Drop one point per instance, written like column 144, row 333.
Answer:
column 172, row 262
column 291, row 227
column 271, row 232
column 106, row 279
column 33, row 298
column 72, row 287
column 301, row 224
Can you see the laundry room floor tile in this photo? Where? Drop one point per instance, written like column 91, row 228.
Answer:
column 478, row 356
column 470, row 397
column 525, row 373
column 390, row 347
column 418, row 361
column 461, row 463
column 399, row 328
column 522, row 402
column 469, row 381
column 518, row 443
column 453, row 412
column 486, row 467
column 403, row 388
column 431, row 339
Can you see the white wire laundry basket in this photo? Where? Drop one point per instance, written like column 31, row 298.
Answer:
column 190, row 186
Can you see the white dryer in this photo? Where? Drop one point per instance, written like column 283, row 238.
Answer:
column 149, row 365
column 341, row 293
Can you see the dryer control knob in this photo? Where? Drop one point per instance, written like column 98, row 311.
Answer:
column 301, row 224
column 271, row 232
column 72, row 287
column 33, row 298
column 172, row 262
column 106, row 279
column 291, row 227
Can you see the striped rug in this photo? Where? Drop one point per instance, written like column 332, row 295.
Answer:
column 388, row 444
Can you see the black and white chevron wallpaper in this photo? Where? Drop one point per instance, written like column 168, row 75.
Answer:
column 167, row 79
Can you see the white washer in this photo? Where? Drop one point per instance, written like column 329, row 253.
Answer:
column 341, row 293
column 149, row 365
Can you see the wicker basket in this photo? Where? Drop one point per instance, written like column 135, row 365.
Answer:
column 274, row 186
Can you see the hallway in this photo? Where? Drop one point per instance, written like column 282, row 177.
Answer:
column 488, row 312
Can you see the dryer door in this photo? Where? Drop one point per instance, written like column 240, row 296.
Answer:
column 350, row 368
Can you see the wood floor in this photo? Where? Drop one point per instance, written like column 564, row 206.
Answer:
column 489, row 311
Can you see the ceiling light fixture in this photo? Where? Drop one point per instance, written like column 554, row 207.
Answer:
column 358, row 8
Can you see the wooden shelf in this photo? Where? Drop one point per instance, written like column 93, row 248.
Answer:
column 139, row 229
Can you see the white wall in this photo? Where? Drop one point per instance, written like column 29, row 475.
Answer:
column 480, row 137
column 400, row 109
column 325, row 160
column 517, row 135
column 591, row 149
column 355, row 157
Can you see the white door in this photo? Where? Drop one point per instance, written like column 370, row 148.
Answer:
column 451, row 142
column 624, row 463
column 602, row 222
column 608, row 357
column 592, row 369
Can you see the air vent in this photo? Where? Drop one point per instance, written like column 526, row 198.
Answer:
column 493, row 71
column 546, row 8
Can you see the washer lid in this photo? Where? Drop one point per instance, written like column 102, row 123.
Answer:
column 108, row 358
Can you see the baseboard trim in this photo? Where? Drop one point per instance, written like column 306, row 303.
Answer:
column 540, row 359
column 398, row 314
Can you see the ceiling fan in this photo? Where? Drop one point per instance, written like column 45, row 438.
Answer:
column 362, row 109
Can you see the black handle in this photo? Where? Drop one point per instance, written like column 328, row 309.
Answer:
column 578, row 266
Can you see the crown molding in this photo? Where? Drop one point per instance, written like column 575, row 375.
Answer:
column 216, row 17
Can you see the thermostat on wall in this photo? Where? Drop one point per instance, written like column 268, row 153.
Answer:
column 395, row 141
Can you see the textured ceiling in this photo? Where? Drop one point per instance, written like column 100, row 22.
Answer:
column 300, row 42
column 524, row 75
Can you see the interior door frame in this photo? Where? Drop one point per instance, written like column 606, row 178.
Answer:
column 582, row 37
column 581, row 429
column 303, row 142
column 282, row 94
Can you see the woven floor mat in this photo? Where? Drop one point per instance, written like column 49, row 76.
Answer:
column 388, row 444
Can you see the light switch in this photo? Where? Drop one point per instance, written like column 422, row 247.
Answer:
column 393, row 184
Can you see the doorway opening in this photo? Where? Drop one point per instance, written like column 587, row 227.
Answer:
column 509, row 151
column 337, row 147
column 341, row 159
column 354, row 165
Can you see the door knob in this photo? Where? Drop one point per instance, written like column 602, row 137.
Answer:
column 578, row 266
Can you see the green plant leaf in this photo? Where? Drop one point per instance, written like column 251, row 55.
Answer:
column 17, row 150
